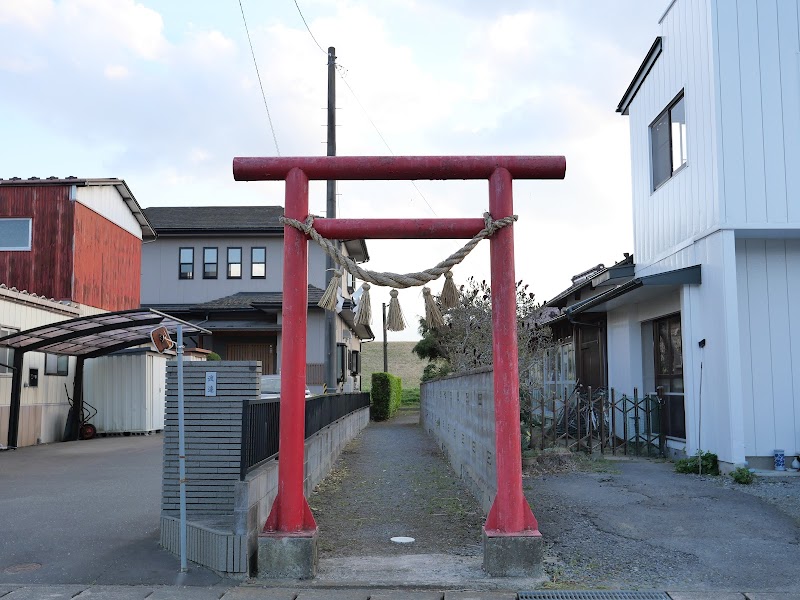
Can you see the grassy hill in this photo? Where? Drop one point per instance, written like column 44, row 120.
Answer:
column 402, row 362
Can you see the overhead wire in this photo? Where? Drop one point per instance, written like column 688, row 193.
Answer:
column 260, row 84
column 339, row 70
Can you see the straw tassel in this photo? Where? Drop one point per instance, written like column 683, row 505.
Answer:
column 364, row 315
column 395, row 320
column 329, row 298
column 449, row 297
column 433, row 316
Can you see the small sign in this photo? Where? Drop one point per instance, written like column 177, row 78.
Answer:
column 211, row 383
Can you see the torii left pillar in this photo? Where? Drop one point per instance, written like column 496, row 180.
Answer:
column 512, row 542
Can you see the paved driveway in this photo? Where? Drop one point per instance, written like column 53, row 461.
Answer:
column 87, row 512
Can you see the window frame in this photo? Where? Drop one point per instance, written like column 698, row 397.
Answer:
column 215, row 263
column 59, row 363
column 181, row 263
column 30, row 235
column 229, row 263
column 7, row 354
column 253, row 262
column 680, row 97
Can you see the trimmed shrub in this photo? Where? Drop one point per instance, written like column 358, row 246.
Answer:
column 742, row 475
column 386, row 395
column 213, row 356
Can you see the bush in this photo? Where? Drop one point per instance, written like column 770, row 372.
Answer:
column 435, row 370
column 707, row 460
column 742, row 475
column 386, row 395
column 213, row 356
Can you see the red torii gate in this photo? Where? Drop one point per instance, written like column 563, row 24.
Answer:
column 510, row 514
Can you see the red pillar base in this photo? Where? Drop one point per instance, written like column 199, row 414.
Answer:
column 275, row 521
column 524, row 523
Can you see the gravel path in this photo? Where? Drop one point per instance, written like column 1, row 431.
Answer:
column 392, row 480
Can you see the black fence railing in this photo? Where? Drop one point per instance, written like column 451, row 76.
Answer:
column 261, row 420
column 591, row 421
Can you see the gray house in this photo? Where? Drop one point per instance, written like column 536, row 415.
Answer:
column 223, row 267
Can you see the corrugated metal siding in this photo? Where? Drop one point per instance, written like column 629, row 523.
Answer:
column 769, row 279
column 688, row 203
column 47, row 268
column 127, row 391
column 758, row 86
column 106, row 201
column 108, row 263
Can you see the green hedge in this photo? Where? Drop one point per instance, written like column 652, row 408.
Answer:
column 387, row 392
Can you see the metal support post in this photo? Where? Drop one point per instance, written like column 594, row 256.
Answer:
column 182, row 450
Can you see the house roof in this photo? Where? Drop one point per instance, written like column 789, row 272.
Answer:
column 215, row 219
column 245, row 300
column 599, row 275
column 641, row 75
column 148, row 232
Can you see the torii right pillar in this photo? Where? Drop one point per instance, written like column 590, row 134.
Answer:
column 512, row 544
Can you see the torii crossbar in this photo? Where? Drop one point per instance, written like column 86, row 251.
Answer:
column 510, row 514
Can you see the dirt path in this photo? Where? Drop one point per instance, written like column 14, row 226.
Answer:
column 393, row 481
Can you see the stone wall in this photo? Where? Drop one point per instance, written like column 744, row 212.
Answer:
column 458, row 411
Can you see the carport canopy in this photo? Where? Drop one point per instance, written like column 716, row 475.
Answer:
column 84, row 337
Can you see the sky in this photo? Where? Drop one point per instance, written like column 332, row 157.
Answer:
column 163, row 94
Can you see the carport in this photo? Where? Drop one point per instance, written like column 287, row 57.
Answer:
column 84, row 337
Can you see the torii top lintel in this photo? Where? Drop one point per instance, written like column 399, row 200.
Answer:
column 398, row 167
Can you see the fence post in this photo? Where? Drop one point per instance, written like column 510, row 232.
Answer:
column 589, row 423
column 245, row 445
column 602, row 422
column 613, row 422
column 662, row 438
column 637, row 429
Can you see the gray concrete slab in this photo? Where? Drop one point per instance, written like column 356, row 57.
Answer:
column 6, row 589
column 45, row 592
column 406, row 595
column 249, row 592
column 771, row 595
column 115, row 592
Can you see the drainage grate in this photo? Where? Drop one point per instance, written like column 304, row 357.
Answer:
column 586, row 595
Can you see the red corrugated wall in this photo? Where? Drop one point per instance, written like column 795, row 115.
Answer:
column 47, row 268
column 108, row 263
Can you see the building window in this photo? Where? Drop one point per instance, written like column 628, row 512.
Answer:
column 186, row 263
column 341, row 362
column 355, row 362
column 669, row 374
column 258, row 263
column 668, row 141
column 234, row 263
column 209, row 263
column 6, row 354
column 55, row 364
column 15, row 234
column 352, row 282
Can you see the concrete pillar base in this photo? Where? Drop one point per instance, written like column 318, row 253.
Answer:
column 513, row 555
column 282, row 556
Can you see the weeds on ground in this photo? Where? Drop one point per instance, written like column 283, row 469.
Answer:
column 742, row 475
column 703, row 463
column 560, row 460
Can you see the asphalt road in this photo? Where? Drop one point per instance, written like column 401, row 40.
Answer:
column 87, row 512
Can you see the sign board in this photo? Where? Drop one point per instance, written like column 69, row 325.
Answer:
column 211, row 383
column 161, row 340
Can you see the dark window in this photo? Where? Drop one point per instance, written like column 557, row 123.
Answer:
column 6, row 354
column 55, row 364
column 15, row 234
column 209, row 263
column 341, row 362
column 258, row 263
column 355, row 362
column 669, row 374
column 234, row 263
column 186, row 259
column 352, row 282
column 668, row 141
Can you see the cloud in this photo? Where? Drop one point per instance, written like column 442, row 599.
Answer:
column 116, row 72
column 30, row 14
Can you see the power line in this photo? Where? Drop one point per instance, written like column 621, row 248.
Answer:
column 340, row 70
column 308, row 28
column 261, row 85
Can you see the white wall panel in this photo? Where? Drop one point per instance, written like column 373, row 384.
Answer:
column 106, row 202
column 769, row 281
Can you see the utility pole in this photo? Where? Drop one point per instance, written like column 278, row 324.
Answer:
column 385, row 343
column 330, row 212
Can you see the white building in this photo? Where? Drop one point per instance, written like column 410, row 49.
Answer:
column 714, row 114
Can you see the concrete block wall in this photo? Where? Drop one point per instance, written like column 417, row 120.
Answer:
column 458, row 411
column 213, row 434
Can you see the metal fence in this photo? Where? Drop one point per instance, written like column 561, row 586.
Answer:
column 586, row 420
column 261, row 422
